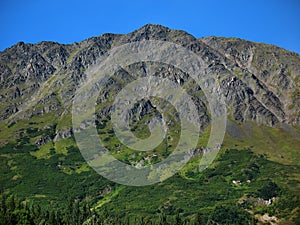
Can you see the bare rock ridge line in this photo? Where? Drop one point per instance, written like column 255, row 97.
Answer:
column 264, row 83
column 275, row 71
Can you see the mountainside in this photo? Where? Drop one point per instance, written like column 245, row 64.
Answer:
column 267, row 77
column 262, row 92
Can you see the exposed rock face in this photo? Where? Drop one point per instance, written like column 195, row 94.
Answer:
column 274, row 74
column 63, row 134
column 263, row 85
column 42, row 140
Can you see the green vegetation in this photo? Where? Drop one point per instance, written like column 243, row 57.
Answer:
column 261, row 165
column 278, row 144
column 45, row 180
column 140, row 129
column 44, row 151
column 209, row 194
column 14, row 211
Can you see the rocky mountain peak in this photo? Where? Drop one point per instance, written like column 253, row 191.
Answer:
column 263, row 84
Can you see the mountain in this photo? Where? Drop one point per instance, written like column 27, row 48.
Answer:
column 261, row 85
column 269, row 72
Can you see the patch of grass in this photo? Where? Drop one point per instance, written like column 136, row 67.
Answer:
column 16, row 177
column 83, row 168
column 61, row 147
column 295, row 94
column 275, row 142
column 72, row 55
column 238, row 73
column 44, row 151
column 11, row 133
column 64, row 122
column 108, row 198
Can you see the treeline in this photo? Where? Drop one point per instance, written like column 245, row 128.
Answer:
column 16, row 212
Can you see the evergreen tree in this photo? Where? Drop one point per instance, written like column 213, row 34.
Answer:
column 76, row 213
column 162, row 219
column 198, row 220
column 52, row 219
column 178, row 220
column 3, row 204
column 12, row 203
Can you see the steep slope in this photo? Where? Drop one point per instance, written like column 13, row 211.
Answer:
column 263, row 87
column 41, row 162
column 275, row 73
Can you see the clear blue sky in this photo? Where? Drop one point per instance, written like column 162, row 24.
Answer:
column 269, row 21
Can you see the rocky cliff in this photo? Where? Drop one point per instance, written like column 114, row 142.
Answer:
column 41, row 79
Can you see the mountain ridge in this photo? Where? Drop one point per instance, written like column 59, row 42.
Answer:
column 55, row 58
column 41, row 80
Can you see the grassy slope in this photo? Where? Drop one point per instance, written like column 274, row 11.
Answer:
column 50, row 177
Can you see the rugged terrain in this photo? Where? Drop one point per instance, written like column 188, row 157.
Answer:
column 40, row 160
